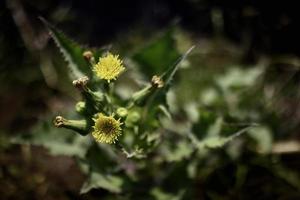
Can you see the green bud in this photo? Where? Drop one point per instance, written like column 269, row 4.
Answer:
column 122, row 112
column 94, row 100
column 80, row 107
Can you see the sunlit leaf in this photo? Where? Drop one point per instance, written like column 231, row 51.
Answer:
column 216, row 141
column 104, row 181
column 56, row 141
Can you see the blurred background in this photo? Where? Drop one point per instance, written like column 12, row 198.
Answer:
column 236, row 42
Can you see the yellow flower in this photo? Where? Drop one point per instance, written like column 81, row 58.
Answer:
column 109, row 67
column 106, row 129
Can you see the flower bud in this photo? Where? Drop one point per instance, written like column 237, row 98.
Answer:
column 88, row 55
column 94, row 100
column 80, row 126
column 140, row 97
column 81, row 82
column 80, row 107
column 157, row 82
column 122, row 112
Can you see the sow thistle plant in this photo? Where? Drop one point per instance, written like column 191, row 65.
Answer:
column 104, row 119
column 133, row 146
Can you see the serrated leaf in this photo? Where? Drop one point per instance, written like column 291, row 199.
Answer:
column 107, row 182
column 160, row 95
column 168, row 75
column 71, row 51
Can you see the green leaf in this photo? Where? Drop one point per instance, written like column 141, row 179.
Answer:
column 153, row 95
column 71, row 51
column 157, row 55
column 291, row 176
column 153, row 98
column 104, row 181
column 159, row 96
column 57, row 141
column 168, row 75
column 216, row 141
column 263, row 136
column 158, row 194
column 182, row 150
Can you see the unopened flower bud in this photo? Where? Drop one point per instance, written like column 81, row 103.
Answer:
column 157, row 82
column 122, row 112
column 80, row 107
column 88, row 55
column 79, row 126
column 140, row 97
column 93, row 100
column 81, row 82
column 59, row 121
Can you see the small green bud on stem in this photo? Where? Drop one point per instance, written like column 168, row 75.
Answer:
column 93, row 100
column 80, row 107
column 122, row 112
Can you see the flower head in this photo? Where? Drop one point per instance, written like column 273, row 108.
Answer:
column 106, row 129
column 109, row 67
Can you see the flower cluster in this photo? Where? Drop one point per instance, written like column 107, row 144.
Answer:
column 98, row 107
column 102, row 125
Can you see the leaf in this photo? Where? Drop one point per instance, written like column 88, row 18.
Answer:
column 182, row 150
column 71, row 51
column 290, row 176
column 158, row 194
column 57, row 141
column 153, row 95
column 159, row 95
column 157, row 55
column 216, row 141
column 169, row 74
column 263, row 136
column 107, row 182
